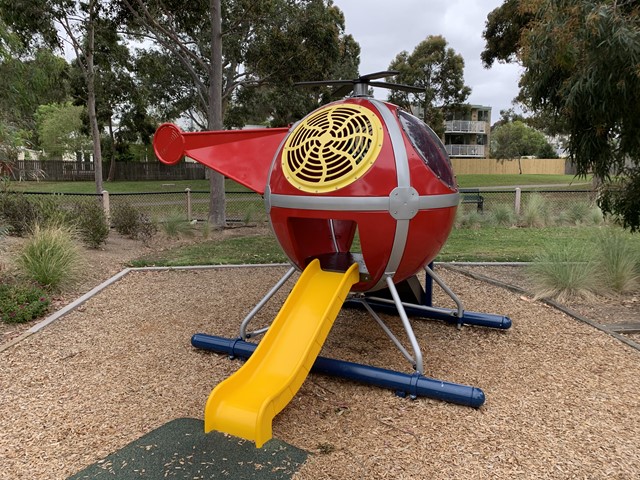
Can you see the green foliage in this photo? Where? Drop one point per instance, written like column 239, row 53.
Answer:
column 578, row 213
column 577, row 268
column 19, row 304
column 18, row 212
column 581, row 60
column 440, row 71
column 503, row 215
column 130, row 222
column 565, row 270
column 59, row 129
column 268, row 45
column 535, row 212
column 147, row 229
column 50, row 212
column 515, row 140
column 621, row 198
column 468, row 218
column 125, row 219
column 503, row 32
column 50, row 257
column 25, row 84
column 619, row 263
column 91, row 223
column 175, row 226
column 595, row 216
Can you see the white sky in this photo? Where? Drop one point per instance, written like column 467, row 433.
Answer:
column 384, row 28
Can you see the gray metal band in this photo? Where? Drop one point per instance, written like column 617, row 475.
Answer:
column 356, row 204
column 397, row 142
column 403, row 215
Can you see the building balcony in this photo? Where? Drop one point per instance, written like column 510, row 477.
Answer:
column 475, row 151
column 465, row 126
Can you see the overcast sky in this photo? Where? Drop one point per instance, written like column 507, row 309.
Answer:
column 384, row 28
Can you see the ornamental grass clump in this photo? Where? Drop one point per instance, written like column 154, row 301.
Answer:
column 176, row 226
column 535, row 212
column 566, row 270
column 503, row 215
column 618, row 262
column 19, row 304
column 50, row 257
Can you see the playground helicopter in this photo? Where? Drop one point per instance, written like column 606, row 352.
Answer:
column 354, row 168
column 355, row 164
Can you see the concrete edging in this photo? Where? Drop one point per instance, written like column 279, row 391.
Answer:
column 118, row 276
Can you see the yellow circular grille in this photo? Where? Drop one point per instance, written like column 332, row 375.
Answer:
column 332, row 148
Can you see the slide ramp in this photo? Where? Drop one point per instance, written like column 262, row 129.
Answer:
column 245, row 403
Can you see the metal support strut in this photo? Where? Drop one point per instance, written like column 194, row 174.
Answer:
column 243, row 326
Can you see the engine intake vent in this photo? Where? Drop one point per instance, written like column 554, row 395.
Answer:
column 332, row 148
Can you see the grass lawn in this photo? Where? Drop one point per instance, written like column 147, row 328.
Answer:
column 239, row 250
column 465, row 181
column 122, row 186
column 495, row 244
column 479, row 181
column 486, row 244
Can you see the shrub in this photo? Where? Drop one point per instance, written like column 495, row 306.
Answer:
column 565, row 270
column 19, row 304
column 147, row 228
column 91, row 223
column 18, row 212
column 535, row 212
column 50, row 257
column 618, row 262
column 49, row 212
column 125, row 218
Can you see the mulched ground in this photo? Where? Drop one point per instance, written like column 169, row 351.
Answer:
column 562, row 397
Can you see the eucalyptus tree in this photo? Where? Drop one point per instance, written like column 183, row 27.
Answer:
column 26, row 83
column 513, row 140
column 581, row 62
column 440, row 71
column 60, row 25
column 121, row 107
column 236, row 56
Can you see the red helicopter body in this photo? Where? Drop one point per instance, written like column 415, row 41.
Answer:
column 356, row 168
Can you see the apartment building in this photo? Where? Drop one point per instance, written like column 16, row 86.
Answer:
column 467, row 132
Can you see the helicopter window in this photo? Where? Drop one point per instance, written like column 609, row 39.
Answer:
column 428, row 146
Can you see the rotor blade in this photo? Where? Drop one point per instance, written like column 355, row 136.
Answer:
column 342, row 91
column 397, row 86
column 376, row 75
column 320, row 83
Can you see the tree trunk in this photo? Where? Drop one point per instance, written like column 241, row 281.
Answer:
column 112, row 164
column 214, row 114
column 91, row 100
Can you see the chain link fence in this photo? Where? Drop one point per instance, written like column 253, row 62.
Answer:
column 555, row 203
column 247, row 208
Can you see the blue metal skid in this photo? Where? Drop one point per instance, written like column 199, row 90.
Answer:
column 447, row 315
column 415, row 385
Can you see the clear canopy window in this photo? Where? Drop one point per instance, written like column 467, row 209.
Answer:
column 428, row 146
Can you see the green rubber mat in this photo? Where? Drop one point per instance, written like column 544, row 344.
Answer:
column 181, row 449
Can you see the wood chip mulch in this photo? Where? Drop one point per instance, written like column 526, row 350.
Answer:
column 563, row 399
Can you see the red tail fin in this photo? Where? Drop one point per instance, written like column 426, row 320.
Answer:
column 242, row 155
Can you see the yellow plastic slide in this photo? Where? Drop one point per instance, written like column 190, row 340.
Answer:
column 245, row 403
